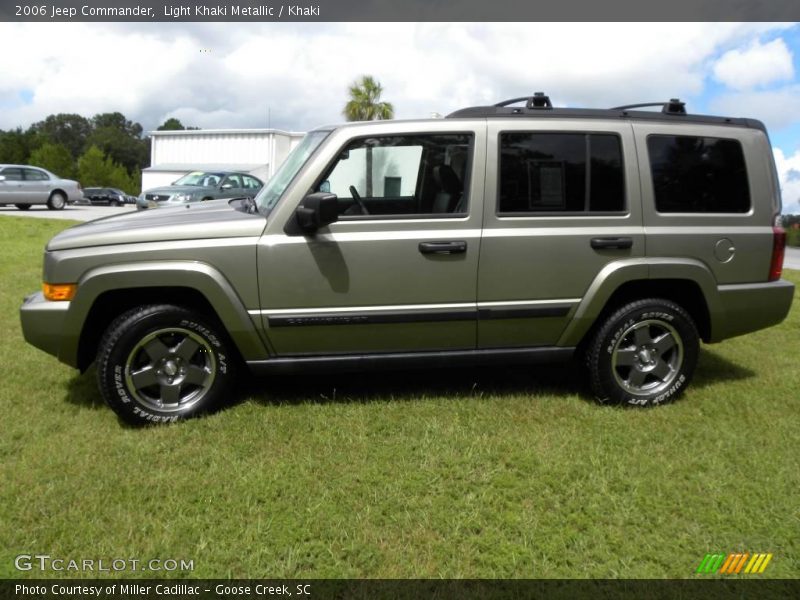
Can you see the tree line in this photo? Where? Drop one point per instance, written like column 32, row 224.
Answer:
column 105, row 150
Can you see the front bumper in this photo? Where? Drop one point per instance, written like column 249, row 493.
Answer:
column 43, row 323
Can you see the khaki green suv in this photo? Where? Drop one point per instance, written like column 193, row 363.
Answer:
column 514, row 233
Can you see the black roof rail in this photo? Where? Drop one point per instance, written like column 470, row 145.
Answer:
column 673, row 107
column 538, row 100
column 539, row 106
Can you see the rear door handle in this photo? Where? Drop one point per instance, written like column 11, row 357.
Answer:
column 446, row 247
column 606, row 243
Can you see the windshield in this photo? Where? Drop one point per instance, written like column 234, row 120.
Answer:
column 274, row 188
column 201, row 179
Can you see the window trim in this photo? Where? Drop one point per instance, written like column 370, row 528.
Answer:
column 626, row 211
column 413, row 216
column 745, row 213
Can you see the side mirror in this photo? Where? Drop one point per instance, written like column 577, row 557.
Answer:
column 317, row 210
column 226, row 186
column 2, row 177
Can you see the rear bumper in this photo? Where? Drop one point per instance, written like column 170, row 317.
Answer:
column 750, row 307
column 43, row 323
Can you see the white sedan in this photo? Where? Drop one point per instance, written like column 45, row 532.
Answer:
column 24, row 186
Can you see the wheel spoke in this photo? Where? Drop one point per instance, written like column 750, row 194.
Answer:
column 144, row 377
column 636, row 378
column 186, row 348
column 196, row 375
column 664, row 343
column 626, row 357
column 171, row 393
column 156, row 349
column 662, row 370
column 641, row 336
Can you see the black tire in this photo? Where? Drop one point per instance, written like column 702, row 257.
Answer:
column 57, row 201
column 644, row 354
column 163, row 363
column 23, row 206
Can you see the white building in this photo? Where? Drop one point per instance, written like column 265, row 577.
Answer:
column 256, row 151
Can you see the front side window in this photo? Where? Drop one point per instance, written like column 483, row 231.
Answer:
column 401, row 175
column 560, row 172
column 12, row 174
column 698, row 174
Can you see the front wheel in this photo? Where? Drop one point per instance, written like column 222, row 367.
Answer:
column 163, row 363
column 644, row 354
column 57, row 201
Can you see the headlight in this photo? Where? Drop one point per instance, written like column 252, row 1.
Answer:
column 181, row 198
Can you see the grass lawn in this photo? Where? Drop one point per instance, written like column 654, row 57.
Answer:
column 464, row 473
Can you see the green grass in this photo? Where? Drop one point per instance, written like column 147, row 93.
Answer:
column 460, row 473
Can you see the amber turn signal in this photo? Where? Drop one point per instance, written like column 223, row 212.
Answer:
column 59, row 291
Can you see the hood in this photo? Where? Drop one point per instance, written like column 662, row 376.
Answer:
column 206, row 220
column 176, row 189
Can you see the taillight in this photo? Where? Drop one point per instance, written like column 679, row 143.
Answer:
column 778, row 249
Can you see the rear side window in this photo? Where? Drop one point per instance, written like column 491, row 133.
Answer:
column 560, row 172
column 698, row 174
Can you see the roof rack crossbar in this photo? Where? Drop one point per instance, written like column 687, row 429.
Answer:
column 537, row 101
column 673, row 107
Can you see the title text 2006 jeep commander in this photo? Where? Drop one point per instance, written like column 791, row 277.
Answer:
column 516, row 232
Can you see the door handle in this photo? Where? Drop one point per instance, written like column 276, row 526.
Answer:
column 606, row 243
column 447, row 247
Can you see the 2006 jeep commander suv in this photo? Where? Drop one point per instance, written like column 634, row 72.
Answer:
column 516, row 232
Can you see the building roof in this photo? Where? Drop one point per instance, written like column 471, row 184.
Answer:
column 191, row 132
column 186, row 167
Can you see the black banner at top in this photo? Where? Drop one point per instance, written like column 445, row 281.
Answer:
column 399, row 10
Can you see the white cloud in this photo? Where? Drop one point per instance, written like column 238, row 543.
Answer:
column 299, row 73
column 776, row 108
column 789, row 175
column 756, row 65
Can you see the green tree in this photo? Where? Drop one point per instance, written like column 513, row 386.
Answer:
column 365, row 104
column 16, row 145
column 69, row 130
column 55, row 158
column 97, row 169
column 171, row 124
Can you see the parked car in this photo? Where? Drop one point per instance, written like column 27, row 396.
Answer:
column 501, row 234
column 200, row 186
column 25, row 186
column 109, row 196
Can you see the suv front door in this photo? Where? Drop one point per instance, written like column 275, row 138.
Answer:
column 401, row 277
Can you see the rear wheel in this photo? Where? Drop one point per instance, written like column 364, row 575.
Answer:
column 57, row 201
column 644, row 354
column 163, row 363
column 23, row 206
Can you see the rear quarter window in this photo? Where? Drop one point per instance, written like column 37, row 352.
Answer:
column 698, row 174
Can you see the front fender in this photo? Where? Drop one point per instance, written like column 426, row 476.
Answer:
column 198, row 276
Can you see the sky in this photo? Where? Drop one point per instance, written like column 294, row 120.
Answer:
column 294, row 76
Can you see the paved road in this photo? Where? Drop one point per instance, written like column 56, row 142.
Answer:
column 792, row 258
column 76, row 212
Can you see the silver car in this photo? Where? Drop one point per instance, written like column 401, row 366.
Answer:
column 24, row 186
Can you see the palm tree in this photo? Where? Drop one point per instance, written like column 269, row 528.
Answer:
column 365, row 105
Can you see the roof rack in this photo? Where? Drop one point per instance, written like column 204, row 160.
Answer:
column 538, row 100
column 539, row 106
column 673, row 107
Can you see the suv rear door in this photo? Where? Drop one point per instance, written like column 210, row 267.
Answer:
column 562, row 204
column 401, row 278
